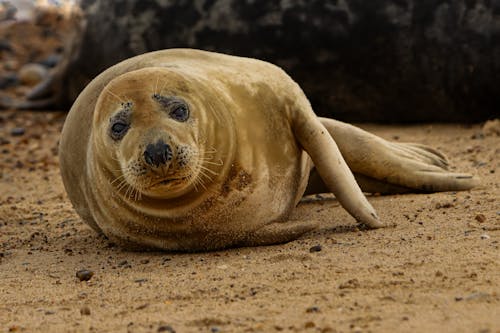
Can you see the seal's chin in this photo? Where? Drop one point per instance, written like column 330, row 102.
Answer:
column 167, row 187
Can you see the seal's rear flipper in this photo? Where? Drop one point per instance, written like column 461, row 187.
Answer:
column 388, row 167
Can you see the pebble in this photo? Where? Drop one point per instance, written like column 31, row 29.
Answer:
column 485, row 236
column 312, row 309
column 166, row 328
column 480, row 218
column 31, row 74
column 85, row 311
column 315, row 248
column 5, row 45
column 84, row 274
column 17, row 131
column 8, row 80
column 51, row 61
column 492, row 127
column 10, row 65
column 215, row 329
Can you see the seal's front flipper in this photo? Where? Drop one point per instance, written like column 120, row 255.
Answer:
column 278, row 232
column 334, row 172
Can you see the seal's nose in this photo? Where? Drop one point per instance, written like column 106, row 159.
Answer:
column 157, row 154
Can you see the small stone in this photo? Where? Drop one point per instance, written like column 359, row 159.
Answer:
column 316, row 248
column 51, row 61
column 5, row 45
column 85, row 311
column 309, row 324
column 8, row 80
column 492, row 127
column 123, row 263
column 84, row 274
column 485, row 236
column 480, row 218
column 439, row 273
column 214, row 329
column 143, row 306
column 17, row 131
column 351, row 284
column 144, row 261
column 312, row 309
column 166, row 328
column 11, row 65
column 31, row 74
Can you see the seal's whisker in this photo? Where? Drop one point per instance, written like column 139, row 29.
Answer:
column 119, row 178
column 163, row 87
column 107, row 90
column 202, row 172
column 121, row 181
column 204, row 168
column 201, row 183
column 156, row 84
column 129, row 192
column 138, row 194
column 218, row 163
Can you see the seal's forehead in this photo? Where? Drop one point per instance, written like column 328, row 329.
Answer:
column 138, row 89
column 155, row 80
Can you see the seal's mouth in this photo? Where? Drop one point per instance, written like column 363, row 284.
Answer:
column 169, row 181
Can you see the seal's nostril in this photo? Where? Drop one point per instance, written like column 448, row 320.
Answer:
column 148, row 157
column 157, row 154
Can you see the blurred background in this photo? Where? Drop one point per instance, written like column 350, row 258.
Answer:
column 391, row 61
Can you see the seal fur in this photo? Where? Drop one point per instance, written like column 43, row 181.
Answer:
column 229, row 174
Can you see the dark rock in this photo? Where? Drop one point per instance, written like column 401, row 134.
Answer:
column 17, row 131
column 315, row 248
column 7, row 11
column 51, row 61
column 166, row 328
column 312, row 309
column 5, row 46
column 85, row 311
column 84, row 274
column 381, row 60
column 8, row 80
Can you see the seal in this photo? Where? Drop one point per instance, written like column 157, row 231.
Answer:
column 188, row 150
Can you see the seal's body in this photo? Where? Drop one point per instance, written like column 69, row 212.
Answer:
column 191, row 150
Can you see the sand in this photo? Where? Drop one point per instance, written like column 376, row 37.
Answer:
column 436, row 270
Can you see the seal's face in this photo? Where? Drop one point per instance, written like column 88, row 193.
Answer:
column 149, row 134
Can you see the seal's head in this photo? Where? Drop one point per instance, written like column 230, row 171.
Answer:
column 148, row 132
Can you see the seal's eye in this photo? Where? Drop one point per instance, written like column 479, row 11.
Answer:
column 180, row 113
column 118, row 130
